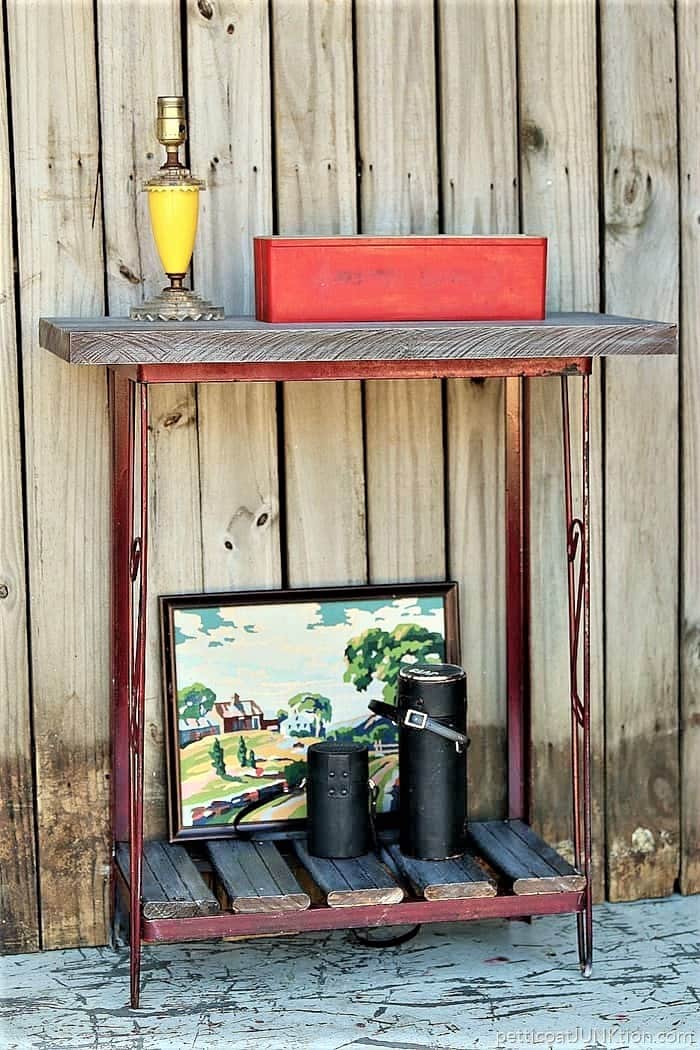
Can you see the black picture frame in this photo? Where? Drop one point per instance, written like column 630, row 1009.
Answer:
column 178, row 737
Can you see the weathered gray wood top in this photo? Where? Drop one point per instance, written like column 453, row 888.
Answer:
column 241, row 340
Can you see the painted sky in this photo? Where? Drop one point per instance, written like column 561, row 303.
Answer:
column 268, row 653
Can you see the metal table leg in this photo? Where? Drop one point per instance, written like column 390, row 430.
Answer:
column 517, row 599
column 578, row 559
column 139, row 552
column 129, row 400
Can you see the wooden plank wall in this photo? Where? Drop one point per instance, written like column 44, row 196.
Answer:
column 330, row 116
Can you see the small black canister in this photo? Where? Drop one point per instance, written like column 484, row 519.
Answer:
column 337, row 799
column 433, row 770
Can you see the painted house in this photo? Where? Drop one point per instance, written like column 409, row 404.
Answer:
column 191, row 729
column 236, row 716
column 300, row 722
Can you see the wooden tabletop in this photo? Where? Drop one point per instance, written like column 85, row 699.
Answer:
column 243, row 340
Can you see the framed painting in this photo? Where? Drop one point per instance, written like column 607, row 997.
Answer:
column 253, row 678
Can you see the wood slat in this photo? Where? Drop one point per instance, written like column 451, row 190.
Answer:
column 314, row 116
column 445, row 879
column 19, row 930
column 405, row 480
column 151, row 889
column 171, row 884
column 475, row 442
column 396, row 91
column 398, row 194
column 548, row 853
column 239, row 485
column 374, row 869
column 56, row 167
column 277, row 866
column 230, row 143
column 639, row 140
column 525, row 863
column 559, row 183
column 325, row 493
column 478, row 147
column 256, row 877
column 688, row 33
column 134, row 272
column 184, row 871
column 325, row 505
column 350, row 883
column 528, row 859
column 225, row 858
column 255, row 869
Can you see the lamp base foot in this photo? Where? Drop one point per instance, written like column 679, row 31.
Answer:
column 176, row 304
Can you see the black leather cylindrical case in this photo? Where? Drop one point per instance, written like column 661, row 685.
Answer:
column 337, row 799
column 433, row 770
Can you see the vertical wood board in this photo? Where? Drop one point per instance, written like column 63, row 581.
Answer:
column 131, row 153
column 324, row 484
column 638, row 123
column 325, row 500
column 478, row 149
column 229, row 88
column 397, row 129
column 477, row 560
column 313, row 111
column 688, row 26
column 559, row 163
column 61, row 269
column 19, row 926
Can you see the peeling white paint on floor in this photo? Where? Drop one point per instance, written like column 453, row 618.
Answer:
column 458, row 987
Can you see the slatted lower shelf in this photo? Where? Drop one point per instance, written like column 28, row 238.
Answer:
column 509, row 872
column 321, row 917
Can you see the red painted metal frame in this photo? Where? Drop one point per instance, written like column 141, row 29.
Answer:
column 129, row 401
column 517, row 600
column 579, row 586
column 308, row 371
column 121, row 392
column 129, row 572
column 227, row 924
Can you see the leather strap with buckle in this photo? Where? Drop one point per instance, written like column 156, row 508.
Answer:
column 413, row 719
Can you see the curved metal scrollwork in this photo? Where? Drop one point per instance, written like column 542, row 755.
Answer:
column 576, row 550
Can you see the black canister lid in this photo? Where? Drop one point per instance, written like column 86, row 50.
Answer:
column 431, row 673
column 438, row 689
column 332, row 747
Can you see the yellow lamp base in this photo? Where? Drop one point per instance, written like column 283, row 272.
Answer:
column 176, row 304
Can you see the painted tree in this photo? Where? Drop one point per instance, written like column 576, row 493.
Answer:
column 378, row 654
column 252, row 760
column 320, row 707
column 242, row 752
column 216, row 753
column 195, row 701
column 294, row 773
column 282, row 715
column 384, row 734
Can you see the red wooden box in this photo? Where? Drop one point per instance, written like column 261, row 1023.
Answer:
column 400, row 278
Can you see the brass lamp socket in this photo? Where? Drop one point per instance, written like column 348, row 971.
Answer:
column 171, row 127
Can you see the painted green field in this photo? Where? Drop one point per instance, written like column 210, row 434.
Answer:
column 202, row 784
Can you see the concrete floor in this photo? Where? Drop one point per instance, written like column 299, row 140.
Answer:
column 460, row 986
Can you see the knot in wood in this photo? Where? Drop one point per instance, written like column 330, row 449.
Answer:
column 532, row 137
column 631, row 194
